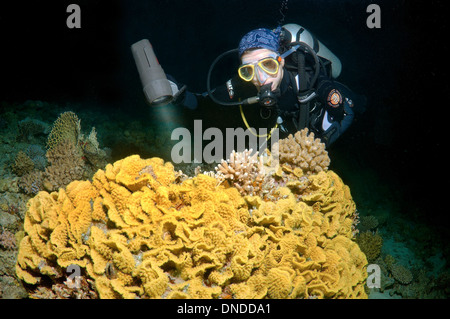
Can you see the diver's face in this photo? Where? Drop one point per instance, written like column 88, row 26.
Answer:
column 261, row 78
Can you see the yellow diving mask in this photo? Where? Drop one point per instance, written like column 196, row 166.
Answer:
column 268, row 65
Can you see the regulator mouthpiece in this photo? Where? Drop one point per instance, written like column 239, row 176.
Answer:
column 157, row 89
column 266, row 97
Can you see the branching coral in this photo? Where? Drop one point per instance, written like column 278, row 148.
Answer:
column 136, row 230
column 244, row 171
column 303, row 151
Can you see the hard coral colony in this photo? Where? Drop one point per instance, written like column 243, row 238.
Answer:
column 70, row 156
column 138, row 230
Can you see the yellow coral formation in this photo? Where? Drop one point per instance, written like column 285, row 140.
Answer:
column 137, row 231
column 66, row 127
column 303, row 151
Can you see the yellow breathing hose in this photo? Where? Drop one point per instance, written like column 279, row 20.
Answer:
column 249, row 128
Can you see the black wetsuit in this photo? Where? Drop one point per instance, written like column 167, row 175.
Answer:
column 327, row 120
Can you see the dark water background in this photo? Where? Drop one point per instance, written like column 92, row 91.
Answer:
column 401, row 68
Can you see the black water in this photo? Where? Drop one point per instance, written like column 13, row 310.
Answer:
column 401, row 68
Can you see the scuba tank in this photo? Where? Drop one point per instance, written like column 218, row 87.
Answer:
column 296, row 33
column 300, row 44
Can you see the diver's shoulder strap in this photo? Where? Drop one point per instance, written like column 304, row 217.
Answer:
column 304, row 96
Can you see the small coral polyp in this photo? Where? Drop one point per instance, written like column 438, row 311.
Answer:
column 137, row 231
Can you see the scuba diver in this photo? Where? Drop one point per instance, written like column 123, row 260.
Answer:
column 290, row 75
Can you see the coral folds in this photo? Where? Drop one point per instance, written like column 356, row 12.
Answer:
column 137, row 231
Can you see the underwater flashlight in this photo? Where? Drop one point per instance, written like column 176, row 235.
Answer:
column 157, row 88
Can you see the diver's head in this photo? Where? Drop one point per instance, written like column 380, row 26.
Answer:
column 260, row 58
column 261, row 67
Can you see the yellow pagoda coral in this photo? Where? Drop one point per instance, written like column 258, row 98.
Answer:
column 137, row 231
